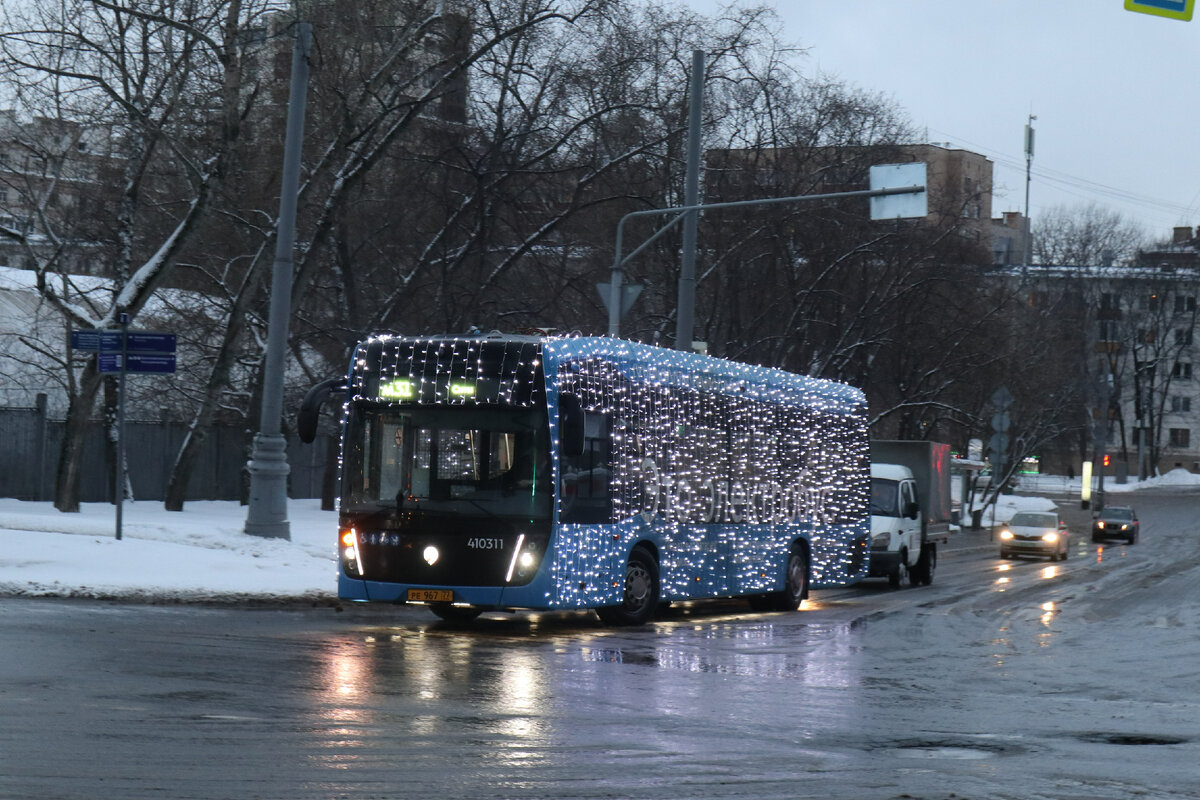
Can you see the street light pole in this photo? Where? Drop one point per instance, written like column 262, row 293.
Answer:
column 268, row 467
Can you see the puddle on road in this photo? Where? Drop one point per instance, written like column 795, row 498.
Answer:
column 951, row 750
column 1131, row 739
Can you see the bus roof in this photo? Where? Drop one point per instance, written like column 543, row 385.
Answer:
column 637, row 362
column 687, row 370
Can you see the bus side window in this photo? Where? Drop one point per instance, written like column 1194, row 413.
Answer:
column 587, row 476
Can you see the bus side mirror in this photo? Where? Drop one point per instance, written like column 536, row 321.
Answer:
column 570, row 425
column 310, row 408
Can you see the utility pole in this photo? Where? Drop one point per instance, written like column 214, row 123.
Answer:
column 1028, row 254
column 268, row 467
column 685, row 318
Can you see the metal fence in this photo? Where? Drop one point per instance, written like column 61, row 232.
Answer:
column 30, row 443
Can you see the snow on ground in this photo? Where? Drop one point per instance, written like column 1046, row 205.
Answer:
column 202, row 552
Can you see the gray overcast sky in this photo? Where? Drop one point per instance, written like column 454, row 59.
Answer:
column 1116, row 93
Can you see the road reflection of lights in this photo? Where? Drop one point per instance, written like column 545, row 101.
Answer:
column 342, row 675
column 521, row 707
column 1049, row 572
column 1003, row 582
column 1048, row 612
column 1004, row 567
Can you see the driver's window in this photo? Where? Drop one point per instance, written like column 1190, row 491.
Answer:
column 391, row 458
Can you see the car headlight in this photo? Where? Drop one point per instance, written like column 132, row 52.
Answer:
column 1100, row 525
column 1050, row 537
column 1006, row 534
column 1125, row 527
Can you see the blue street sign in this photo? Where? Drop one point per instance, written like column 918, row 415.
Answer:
column 136, row 362
column 102, row 341
column 135, row 341
column 148, row 342
column 1174, row 9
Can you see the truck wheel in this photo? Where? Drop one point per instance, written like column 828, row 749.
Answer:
column 641, row 591
column 897, row 576
column 922, row 574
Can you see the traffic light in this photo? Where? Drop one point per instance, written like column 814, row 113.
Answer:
column 1107, row 459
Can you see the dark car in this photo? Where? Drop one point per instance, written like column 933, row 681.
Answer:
column 1116, row 522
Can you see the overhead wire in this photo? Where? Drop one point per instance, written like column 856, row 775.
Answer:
column 1074, row 185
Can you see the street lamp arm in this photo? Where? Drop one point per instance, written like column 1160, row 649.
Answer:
column 681, row 212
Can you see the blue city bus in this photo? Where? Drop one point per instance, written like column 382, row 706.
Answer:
column 505, row 472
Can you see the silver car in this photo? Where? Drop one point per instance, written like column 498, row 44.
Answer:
column 1035, row 533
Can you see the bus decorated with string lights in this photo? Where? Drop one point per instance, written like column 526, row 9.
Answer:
column 504, row 472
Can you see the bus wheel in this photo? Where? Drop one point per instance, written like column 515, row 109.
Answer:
column 796, row 585
column 455, row 613
column 641, row 591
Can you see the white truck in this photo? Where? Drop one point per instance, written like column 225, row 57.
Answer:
column 910, row 509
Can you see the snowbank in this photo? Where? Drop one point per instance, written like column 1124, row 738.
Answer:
column 198, row 554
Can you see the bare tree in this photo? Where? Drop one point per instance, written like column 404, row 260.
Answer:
column 162, row 79
column 1086, row 235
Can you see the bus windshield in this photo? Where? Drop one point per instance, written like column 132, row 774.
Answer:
column 465, row 460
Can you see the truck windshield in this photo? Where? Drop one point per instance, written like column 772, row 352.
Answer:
column 462, row 460
column 885, row 497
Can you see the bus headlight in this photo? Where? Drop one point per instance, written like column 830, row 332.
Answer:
column 1050, row 538
column 1006, row 534
column 351, row 561
column 524, row 558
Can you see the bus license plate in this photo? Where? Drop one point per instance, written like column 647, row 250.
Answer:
column 430, row 596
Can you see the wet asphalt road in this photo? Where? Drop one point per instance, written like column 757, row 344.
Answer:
column 979, row 686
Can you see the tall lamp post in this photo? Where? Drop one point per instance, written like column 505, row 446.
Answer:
column 268, row 467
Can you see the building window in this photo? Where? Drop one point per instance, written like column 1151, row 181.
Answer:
column 1109, row 331
column 1179, row 403
column 1184, row 303
column 1181, row 437
column 1183, row 336
column 1182, row 371
column 1108, row 300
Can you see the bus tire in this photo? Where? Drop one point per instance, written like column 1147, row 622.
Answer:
column 459, row 614
column 795, row 583
column 641, row 591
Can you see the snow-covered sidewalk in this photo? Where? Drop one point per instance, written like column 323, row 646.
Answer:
column 200, row 553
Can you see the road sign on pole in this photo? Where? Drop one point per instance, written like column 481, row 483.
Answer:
column 898, row 206
column 121, row 352
column 1172, row 9
column 143, row 351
